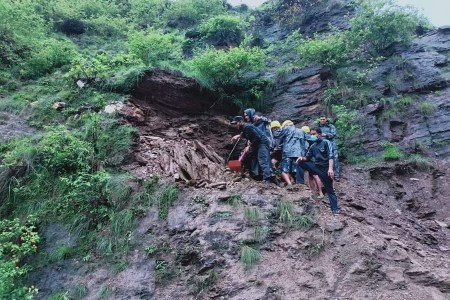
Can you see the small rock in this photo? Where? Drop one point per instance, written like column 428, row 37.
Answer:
column 59, row 106
column 389, row 237
column 414, row 179
column 444, row 249
column 442, row 224
column 334, row 225
column 81, row 84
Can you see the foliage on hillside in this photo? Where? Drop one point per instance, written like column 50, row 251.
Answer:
column 69, row 172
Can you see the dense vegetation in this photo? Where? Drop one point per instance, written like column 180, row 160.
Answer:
column 69, row 172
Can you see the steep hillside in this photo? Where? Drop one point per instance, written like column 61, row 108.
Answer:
column 114, row 131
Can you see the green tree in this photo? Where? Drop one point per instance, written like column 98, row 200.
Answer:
column 154, row 47
column 222, row 29
column 380, row 23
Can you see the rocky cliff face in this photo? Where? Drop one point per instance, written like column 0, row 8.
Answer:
column 300, row 95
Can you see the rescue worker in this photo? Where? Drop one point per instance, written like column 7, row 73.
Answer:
column 275, row 151
column 293, row 144
column 259, row 143
column 329, row 132
column 319, row 161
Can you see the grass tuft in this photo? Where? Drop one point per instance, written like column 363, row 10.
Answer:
column 285, row 211
column 251, row 215
column 249, row 256
column 235, row 200
column 305, row 221
column 168, row 197
column 392, row 152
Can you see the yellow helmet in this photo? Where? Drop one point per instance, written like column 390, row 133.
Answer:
column 306, row 129
column 275, row 124
column 287, row 123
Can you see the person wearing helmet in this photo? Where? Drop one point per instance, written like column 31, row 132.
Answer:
column 276, row 147
column 293, row 144
column 319, row 161
column 329, row 132
column 259, row 144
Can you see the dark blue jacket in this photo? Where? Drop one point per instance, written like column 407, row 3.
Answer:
column 320, row 152
column 254, row 135
column 263, row 124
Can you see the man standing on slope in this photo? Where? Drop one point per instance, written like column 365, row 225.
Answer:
column 329, row 132
column 321, row 152
column 259, row 143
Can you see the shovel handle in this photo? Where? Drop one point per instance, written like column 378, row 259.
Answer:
column 232, row 150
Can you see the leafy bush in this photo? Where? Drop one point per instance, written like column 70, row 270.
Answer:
column 147, row 12
column 16, row 242
column 110, row 141
column 20, row 28
column 226, row 72
column 183, row 13
column 381, row 23
column 106, row 71
column 154, row 47
column 60, row 152
column 222, row 30
column 108, row 26
column 376, row 25
column 329, row 50
column 348, row 125
column 51, row 54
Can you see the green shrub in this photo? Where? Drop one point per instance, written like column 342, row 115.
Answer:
column 111, row 141
column 348, row 125
column 154, row 47
column 421, row 162
column 330, row 50
column 20, row 28
column 108, row 26
column 426, row 109
column 51, row 54
column 184, row 13
column 304, row 221
column 17, row 241
column 391, row 152
column 106, row 71
column 223, row 30
column 381, row 23
column 226, row 72
column 61, row 152
column 147, row 12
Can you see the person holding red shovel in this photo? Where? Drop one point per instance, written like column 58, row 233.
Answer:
column 258, row 143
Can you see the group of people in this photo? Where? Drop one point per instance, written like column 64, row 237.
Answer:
column 282, row 148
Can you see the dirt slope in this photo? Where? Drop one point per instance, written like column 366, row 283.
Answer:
column 392, row 240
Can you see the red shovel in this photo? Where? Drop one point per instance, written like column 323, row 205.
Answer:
column 236, row 165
